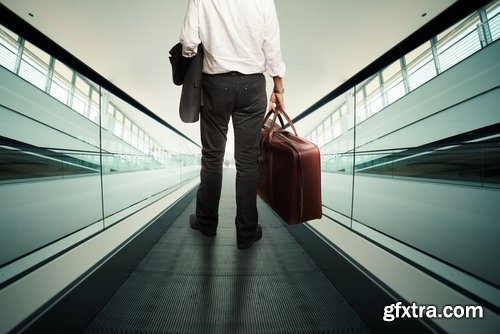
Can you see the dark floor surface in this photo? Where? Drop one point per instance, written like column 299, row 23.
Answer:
column 190, row 283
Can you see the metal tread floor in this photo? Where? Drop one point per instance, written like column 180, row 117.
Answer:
column 190, row 283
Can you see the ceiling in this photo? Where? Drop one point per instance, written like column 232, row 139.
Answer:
column 324, row 43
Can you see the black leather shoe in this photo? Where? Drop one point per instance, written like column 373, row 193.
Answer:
column 257, row 237
column 195, row 225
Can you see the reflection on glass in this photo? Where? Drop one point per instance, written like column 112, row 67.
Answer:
column 59, row 89
column 64, row 168
column 465, row 162
column 8, row 49
column 24, row 162
column 337, row 163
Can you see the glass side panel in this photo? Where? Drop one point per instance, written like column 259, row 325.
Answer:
column 32, row 68
column 53, row 170
column 9, row 49
column 63, row 71
column 459, row 43
column 141, row 158
column 493, row 13
column 337, row 157
column 50, row 175
column 422, row 67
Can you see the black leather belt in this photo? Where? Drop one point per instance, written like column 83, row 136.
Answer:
column 231, row 74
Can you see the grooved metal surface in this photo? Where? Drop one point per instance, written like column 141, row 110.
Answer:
column 190, row 283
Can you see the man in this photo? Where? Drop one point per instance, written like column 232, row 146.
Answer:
column 241, row 41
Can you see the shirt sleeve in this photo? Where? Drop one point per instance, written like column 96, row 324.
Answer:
column 190, row 37
column 272, row 48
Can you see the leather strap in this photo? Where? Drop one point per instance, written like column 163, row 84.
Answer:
column 277, row 115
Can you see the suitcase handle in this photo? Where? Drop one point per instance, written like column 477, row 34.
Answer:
column 278, row 112
column 267, row 117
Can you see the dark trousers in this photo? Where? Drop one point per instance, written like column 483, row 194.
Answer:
column 242, row 97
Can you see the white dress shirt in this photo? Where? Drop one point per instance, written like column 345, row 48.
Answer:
column 237, row 35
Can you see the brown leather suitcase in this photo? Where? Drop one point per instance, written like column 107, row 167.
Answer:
column 290, row 171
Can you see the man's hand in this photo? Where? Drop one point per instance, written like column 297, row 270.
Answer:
column 276, row 101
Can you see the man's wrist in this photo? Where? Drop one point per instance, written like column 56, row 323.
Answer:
column 278, row 91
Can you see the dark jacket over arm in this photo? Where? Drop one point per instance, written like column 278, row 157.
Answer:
column 188, row 72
